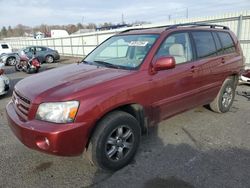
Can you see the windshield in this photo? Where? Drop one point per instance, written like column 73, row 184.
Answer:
column 125, row 51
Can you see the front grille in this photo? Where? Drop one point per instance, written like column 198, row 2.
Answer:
column 21, row 104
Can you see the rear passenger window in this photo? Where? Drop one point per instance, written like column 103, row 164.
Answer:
column 227, row 42
column 5, row 46
column 204, row 43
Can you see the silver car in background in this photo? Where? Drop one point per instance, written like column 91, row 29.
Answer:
column 44, row 54
column 9, row 59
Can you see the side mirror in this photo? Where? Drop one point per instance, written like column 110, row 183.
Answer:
column 164, row 63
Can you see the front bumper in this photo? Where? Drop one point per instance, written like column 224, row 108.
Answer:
column 57, row 139
column 57, row 56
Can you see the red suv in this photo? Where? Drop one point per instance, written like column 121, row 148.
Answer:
column 130, row 82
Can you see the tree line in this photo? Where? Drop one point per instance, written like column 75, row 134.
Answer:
column 22, row 30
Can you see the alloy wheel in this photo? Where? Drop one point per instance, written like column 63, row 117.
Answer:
column 119, row 143
column 227, row 96
column 12, row 61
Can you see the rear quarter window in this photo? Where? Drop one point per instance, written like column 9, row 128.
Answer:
column 219, row 47
column 5, row 46
column 204, row 43
column 227, row 42
column 39, row 49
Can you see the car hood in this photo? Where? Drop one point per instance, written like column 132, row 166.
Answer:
column 63, row 83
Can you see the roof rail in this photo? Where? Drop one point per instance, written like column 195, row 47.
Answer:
column 132, row 29
column 198, row 25
column 144, row 28
column 194, row 24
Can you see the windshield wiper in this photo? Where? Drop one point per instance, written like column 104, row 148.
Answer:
column 110, row 65
column 85, row 62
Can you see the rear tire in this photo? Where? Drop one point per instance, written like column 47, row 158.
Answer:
column 224, row 99
column 11, row 61
column 115, row 141
column 49, row 59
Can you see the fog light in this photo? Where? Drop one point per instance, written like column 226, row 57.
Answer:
column 43, row 143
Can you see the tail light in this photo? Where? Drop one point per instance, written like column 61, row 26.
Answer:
column 1, row 71
column 35, row 62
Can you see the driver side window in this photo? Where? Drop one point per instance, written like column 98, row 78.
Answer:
column 177, row 45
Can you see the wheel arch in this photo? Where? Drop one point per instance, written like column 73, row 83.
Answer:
column 7, row 59
column 235, row 77
column 136, row 110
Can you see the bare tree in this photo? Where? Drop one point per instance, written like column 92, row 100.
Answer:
column 3, row 32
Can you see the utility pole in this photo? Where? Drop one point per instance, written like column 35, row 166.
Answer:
column 82, row 20
column 169, row 17
column 123, row 19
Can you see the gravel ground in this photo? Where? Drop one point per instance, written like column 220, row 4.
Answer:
column 196, row 149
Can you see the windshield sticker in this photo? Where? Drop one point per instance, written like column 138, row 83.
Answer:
column 138, row 43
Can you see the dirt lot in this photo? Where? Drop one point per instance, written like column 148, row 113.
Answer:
column 195, row 149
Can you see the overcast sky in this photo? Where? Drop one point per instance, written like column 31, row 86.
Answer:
column 36, row 12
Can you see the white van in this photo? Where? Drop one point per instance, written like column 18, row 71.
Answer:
column 59, row 33
column 5, row 48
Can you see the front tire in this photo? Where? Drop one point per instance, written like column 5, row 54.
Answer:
column 224, row 100
column 115, row 141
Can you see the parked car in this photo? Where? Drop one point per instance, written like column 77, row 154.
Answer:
column 130, row 82
column 5, row 48
column 10, row 58
column 44, row 54
column 4, row 81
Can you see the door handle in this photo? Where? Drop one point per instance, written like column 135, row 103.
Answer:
column 223, row 60
column 193, row 69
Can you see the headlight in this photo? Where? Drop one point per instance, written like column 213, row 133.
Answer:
column 58, row 112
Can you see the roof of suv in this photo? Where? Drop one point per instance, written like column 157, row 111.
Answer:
column 160, row 29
